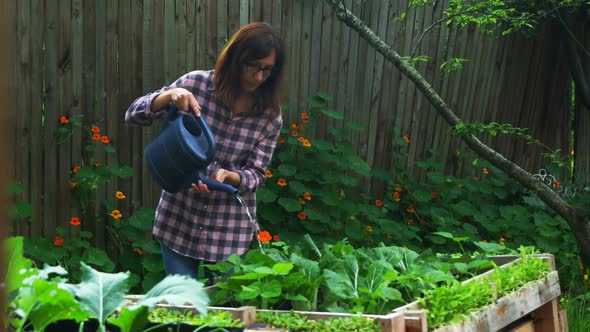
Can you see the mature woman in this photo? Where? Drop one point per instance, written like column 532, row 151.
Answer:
column 240, row 101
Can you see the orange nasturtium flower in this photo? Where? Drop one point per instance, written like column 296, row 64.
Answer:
column 76, row 168
column 282, row 182
column 294, row 133
column 379, row 203
column 302, row 215
column 306, row 143
column 301, row 139
column 557, row 183
column 293, row 126
column 268, row 174
column 307, row 196
column 398, row 188
column 120, row 195
column 281, row 139
column 75, row 221
column 58, row 241
column 301, row 201
column 116, row 214
column 276, row 238
column 95, row 130
column 369, row 229
column 304, row 117
column 138, row 251
column 264, row 236
column 410, row 209
column 64, row 120
column 460, row 185
column 105, row 140
column 96, row 164
column 406, row 138
column 96, row 136
column 73, row 184
column 410, row 221
column 389, row 236
column 485, row 171
column 396, row 196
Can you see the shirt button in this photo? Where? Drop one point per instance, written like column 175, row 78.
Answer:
column 205, row 206
column 215, row 162
column 201, row 227
column 227, row 121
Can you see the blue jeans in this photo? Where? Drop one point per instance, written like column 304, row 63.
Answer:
column 175, row 263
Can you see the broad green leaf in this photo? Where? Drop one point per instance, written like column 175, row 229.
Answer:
column 297, row 187
column 265, row 195
column 178, row 290
column 287, row 170
column 315, row 101
column 131, row 319
column 291, row 205
column 250, row 291
column 14, row 188
column 98, row 257
column 271, row 289
column 282, row 268
column 121, row 171
column 422, row 196
column 324, row 96
column 443, row 234
column 17, row 266
column 46, row 303
column 101, row 293
column 20, row 210
column 43, row 250
column 334, row 114
column 153, row 263
column 109, row 149
column 464, row 208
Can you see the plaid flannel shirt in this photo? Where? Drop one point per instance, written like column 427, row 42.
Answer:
column 212, row 227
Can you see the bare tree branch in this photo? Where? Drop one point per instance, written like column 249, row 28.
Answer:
column 573, row 216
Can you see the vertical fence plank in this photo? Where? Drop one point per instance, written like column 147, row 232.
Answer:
column 143, row 186
column 77, row 102
column 65, row 108
column 23, row 131
column 50, row 121
column 98, row 118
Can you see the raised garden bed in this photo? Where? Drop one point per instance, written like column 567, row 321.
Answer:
column 533, row 307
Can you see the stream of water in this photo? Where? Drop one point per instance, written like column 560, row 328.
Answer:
column 252, row 222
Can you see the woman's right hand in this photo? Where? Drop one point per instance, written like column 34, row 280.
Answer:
column 182, row 98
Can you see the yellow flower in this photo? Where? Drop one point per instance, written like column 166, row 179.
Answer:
column 116, row 214
column 282, row 182
column 120, row 195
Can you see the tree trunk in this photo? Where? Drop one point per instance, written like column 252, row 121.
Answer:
column 576, row 219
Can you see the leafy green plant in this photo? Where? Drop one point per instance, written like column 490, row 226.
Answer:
column 214, row 318
column 454, row 301
column 297, row 323
column 37, row 298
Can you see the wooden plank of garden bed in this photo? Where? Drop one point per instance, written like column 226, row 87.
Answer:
column 392, row 322
column 511, row 307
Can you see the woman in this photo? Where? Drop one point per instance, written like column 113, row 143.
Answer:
column 240, row 102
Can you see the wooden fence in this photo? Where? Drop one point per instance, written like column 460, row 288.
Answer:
column 95, row 57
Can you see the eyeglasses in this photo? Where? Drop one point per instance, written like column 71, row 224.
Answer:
column 253, row 68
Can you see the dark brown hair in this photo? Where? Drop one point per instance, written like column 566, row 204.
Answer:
column 252, row 42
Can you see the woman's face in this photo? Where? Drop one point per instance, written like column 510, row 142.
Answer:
column 254, row 73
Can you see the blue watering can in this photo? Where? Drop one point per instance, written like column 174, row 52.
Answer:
column 179, row 156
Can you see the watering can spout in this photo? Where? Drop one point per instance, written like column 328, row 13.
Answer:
column 180, row 154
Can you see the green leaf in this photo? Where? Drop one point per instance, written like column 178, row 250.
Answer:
column 287, row 170
column 20, row 210
column 98, row 257
column 333, row 114
column 316, row 101
column 109, row 149
column 422, row 196
column 101, row 293
column 291, row 205
column 282, row 268
column 46, row 303
column 14, row 188
column 272, row 289
column 131, row 320
column 153, row 263
column 464, row 208
column 324, row 96
column 17, row 266
column 178, row 290
column 121, row 171
column 446, row 235
column 297, row 187
column 264, row 195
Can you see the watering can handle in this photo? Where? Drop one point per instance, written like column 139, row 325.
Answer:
column 217, row 186
column 206, row 131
